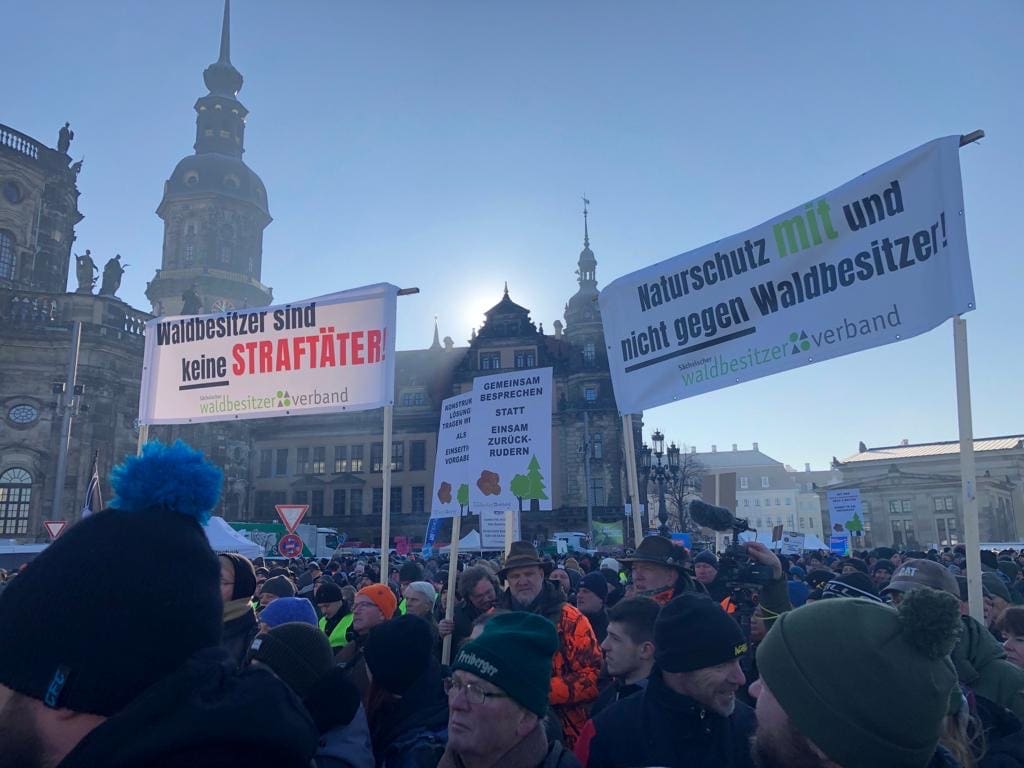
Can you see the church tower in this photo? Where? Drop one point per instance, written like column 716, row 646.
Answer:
column 582, row 316
column 214, row 207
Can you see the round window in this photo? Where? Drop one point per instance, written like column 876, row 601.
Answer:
column 191, row 178
column 12, row 192
column 23, row 414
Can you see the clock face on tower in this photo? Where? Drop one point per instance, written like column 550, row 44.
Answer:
column 222, row 305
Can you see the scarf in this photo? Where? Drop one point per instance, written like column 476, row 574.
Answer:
column 234, row 609
column 528, row 753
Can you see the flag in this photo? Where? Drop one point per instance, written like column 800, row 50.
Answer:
column 93, row 497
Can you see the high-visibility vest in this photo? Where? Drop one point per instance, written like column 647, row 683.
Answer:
column 338, row 635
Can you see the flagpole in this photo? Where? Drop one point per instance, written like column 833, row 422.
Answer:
column 453, row 575
column 68, row 404
column 631, row 475
column 968, row 471
column 385, row 520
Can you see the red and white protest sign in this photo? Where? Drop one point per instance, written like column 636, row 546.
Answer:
column 291, row 515
column 55, row 527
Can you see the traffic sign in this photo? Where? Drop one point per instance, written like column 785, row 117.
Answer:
column 290, row 545
column 291, row 514
column 55, row 527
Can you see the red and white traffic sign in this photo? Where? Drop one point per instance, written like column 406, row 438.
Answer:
column 55, row 527
column 290, row 545
column 291, row 514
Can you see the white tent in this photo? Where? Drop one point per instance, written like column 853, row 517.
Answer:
column 471, row 541
column 224, row 538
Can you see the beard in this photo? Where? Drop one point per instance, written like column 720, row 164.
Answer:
column 22, row 745
column 783, row 749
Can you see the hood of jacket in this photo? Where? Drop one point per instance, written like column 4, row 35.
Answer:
column 975, row 650
column 204, row 715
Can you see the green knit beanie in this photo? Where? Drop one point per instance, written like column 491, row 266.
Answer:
column 514, row 653
column 825, row 662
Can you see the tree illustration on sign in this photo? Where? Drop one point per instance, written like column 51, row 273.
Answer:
column 536, row 490
column 520, row 487
column 854, row 525
column 462, row 495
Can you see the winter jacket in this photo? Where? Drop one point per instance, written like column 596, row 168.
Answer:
column 463, row 617
column 534, row 751
column 412, row 731
column 664, row 728
column 351, row 659
column 615, row 693
column 239, row 633
column 336, row 629
column 577, row 662
column 1004, row 735
column 981, row 665
column 204, row 715
column 718, row 590
column 337, row 711
column 599, row 623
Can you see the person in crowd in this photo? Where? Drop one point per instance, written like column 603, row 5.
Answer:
column 796, row 586
column 809, row 716
column 577, row 662
column 301, row 656
column 409, row 572
column 373, row 606
column 628, row 649
column 478, row 588
column 275, row 587
column 851, row 584
column 262, row 574
column 561, row 577
column 498, row 695
column 590, row 597
column 286, row 609
column 997, row 599
column 1011, row 625
column 335, row 616
column 408, row 707
column 688, row 714
column 87, row 675
column 610, row 569
column 420, row 597
column 881, row 573
column 705, row 568
column 980, row 661
column 572, row 564
column 852, row 565
column 659, row 570
column 237, row 586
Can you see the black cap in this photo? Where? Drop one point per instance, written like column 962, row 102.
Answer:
column 693, row 632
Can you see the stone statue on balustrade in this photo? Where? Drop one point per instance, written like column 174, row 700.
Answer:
column 112, row 276
column 191, row 301
column 85, row 271
column 64, row 138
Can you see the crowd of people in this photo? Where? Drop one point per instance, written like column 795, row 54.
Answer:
column 129, row 642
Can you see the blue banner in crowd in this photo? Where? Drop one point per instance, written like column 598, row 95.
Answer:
column 428, row 541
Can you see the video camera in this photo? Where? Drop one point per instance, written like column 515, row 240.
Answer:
column 738, row 570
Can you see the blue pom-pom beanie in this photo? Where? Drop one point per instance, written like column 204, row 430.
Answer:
column 123, row 597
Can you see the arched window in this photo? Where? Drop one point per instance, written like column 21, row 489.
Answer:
column 15, row 495
column 6, row 255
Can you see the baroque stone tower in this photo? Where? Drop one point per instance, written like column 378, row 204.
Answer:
column 214, row 207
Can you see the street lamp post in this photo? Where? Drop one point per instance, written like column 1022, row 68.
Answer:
column 662, row 473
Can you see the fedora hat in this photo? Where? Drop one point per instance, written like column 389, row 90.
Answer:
column 659, row 551
column 522, row 554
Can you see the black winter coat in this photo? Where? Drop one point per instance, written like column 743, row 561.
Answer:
column 204, row 715
column 664, row 728
column 238, row 636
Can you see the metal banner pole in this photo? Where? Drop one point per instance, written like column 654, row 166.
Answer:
column 385, row 519
column 631, row 476
column 68, row 401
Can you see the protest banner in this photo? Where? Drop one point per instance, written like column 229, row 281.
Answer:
column 452, row 465
column 510, row 448
column 877, row 260
column 844, row 512
column 433, row 528
column 792, row 544
column 607, row 535
column 326, row 354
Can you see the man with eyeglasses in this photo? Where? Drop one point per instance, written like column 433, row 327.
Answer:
column 498, row 696
column 479, row 590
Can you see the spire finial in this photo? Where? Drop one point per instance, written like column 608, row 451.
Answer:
column 586, row 232
column 225, row 35
column 436, row 344
column 506, row 289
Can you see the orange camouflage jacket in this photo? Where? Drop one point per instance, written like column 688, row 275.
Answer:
column 576, row 664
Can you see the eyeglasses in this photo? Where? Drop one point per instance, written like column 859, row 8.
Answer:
column 474, row 694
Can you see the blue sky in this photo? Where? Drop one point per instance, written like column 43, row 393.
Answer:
column 446, row 146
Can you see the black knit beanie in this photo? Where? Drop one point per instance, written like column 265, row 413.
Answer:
column 328, row 592
column 279, row 585
column 123, row 597
column 411, row 571
column 693, row 632
column 398, row 652
column 245, row 575
column 299, row 654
